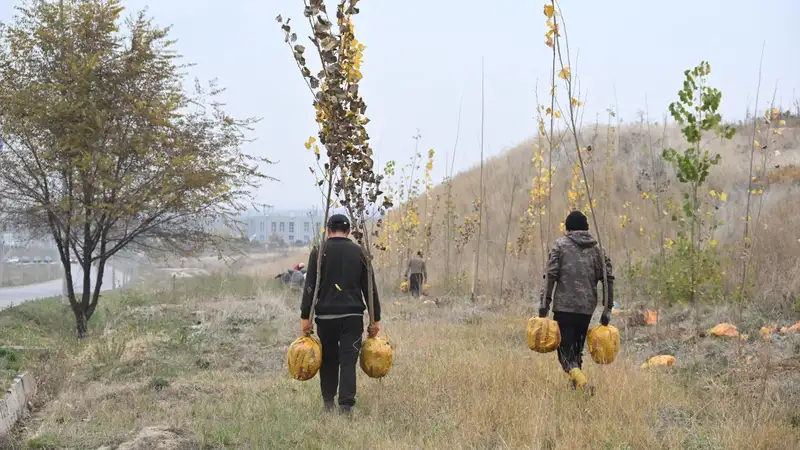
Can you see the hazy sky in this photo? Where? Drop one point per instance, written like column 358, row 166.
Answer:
column 423, row 56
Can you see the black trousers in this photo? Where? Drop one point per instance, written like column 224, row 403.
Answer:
column 415, row 282
column 341, row 344
column 573, row 328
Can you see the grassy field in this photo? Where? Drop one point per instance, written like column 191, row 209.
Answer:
column 203, row 359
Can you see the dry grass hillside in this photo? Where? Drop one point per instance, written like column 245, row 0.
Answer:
column 623, row 175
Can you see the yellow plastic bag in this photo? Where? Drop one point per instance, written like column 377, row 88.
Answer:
column 659, row 361
column 725, row 329
column 604, row 343
column 376, row 357
column 542, row 334
column 304, row 357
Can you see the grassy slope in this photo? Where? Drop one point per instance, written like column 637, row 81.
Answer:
column 631, row 173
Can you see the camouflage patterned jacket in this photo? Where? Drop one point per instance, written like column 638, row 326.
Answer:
column 574, row 269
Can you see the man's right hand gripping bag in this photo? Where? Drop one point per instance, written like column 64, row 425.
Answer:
column 542, row 334
column 603, row 343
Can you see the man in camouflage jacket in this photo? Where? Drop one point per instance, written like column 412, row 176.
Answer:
column 574, row 268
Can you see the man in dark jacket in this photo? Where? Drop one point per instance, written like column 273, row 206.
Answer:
column 343, row 291
column 574, row 268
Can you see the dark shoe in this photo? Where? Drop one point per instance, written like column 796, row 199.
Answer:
column 345, row 410
column 328, row 406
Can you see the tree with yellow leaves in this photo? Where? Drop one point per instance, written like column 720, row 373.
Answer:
column 348, row 174
column 105, row 149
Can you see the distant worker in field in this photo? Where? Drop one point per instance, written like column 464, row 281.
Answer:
column 297, row 279
column 574, row 269
column 416, row 274
column 340, row 306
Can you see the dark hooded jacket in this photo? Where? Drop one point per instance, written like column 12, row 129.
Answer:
column 574, row 268
column 344, row 283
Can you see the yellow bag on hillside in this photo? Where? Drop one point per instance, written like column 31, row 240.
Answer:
column 404, row 286
column 659, row 361
column 603, row 343
column 725, row 329
column 542, row 334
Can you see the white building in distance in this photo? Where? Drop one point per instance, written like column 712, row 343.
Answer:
column 291, row 227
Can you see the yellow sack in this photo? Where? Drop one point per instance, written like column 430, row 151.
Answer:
column 659, row 361
column 791, row 329
column 725, row 329
column 603, row 343
column 376, row 357
column 542, row 334
column 304, row 357
column 404, row 286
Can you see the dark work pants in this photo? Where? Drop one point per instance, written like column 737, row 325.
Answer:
column 415, row 281
column 341, row 343
column 573, row 328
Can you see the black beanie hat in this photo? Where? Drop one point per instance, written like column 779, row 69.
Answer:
column 576, row 221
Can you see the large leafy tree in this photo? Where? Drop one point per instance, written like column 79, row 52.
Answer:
column 105, row 147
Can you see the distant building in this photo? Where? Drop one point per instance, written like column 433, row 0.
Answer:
column 291, row 227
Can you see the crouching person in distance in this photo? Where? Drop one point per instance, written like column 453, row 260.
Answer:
column 574, row 268
column 339, row 310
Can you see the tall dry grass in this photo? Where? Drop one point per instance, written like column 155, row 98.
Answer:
column 631, row 169
column 207, row 362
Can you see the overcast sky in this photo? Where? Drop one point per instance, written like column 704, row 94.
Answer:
column 423, row 56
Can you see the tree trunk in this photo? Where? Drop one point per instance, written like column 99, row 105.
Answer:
column 98, row 284
column 81, row 321
column 480, row 201
column 693, row 261
column 508, row 231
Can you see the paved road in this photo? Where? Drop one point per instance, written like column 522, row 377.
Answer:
column 20, row 294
